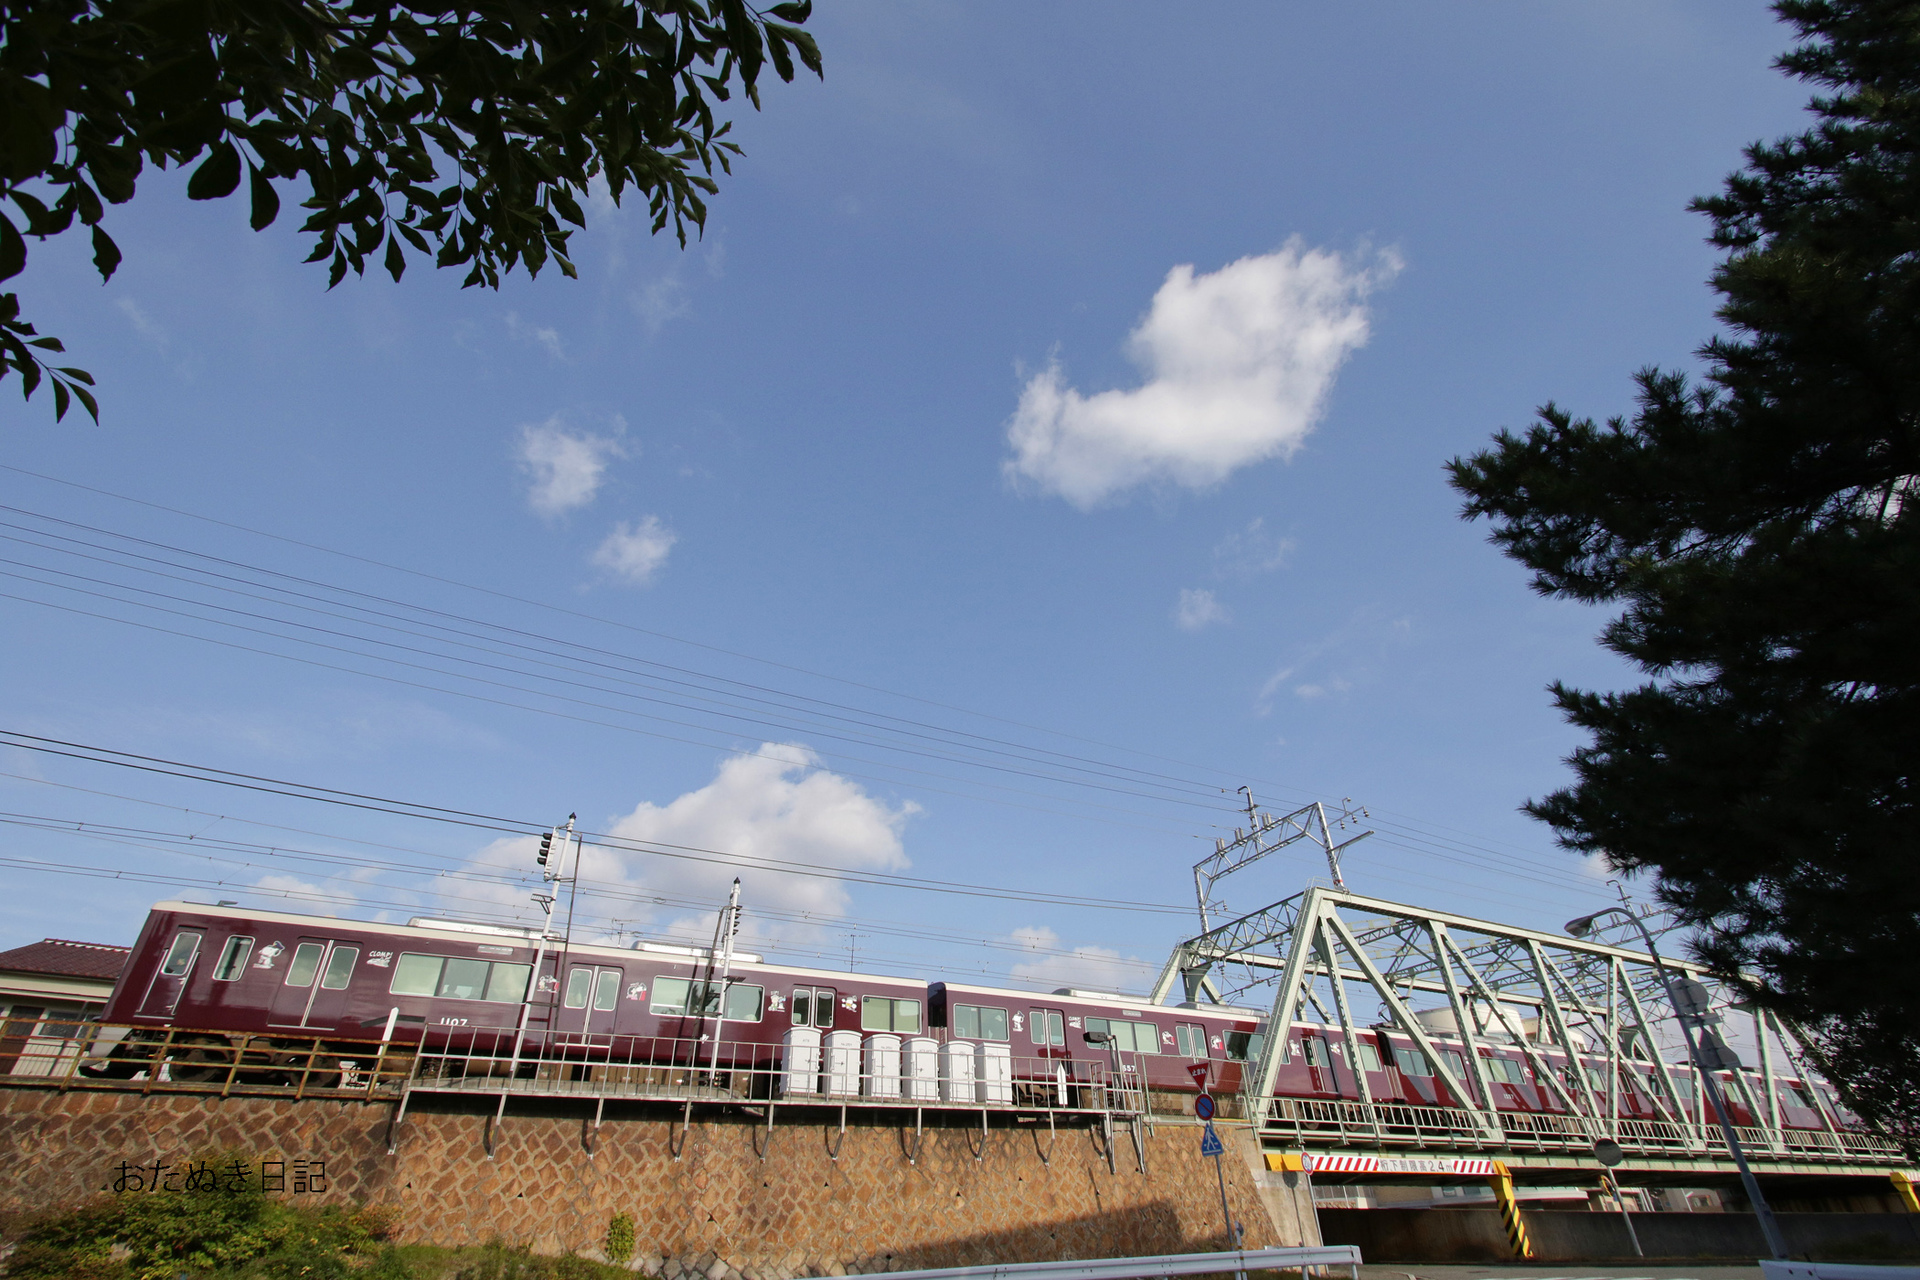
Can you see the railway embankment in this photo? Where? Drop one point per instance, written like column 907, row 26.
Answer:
column 724, row 1197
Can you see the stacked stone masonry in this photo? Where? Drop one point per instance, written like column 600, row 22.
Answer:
column 720, row 1211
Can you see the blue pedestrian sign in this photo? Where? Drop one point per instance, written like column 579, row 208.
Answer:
column 1210, row 1142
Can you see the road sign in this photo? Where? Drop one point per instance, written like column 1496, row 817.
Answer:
column 1210, row 1142
column 1203, row 1106
column 1198, row 1070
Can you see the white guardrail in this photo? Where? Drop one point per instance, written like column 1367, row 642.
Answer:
column 1171, row 1264
column 1834, row 1271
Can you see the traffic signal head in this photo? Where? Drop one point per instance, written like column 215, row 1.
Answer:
column 546, row 848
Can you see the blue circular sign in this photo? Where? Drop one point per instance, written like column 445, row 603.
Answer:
column 1203, row 1107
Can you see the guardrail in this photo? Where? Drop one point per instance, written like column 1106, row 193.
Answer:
column 1307, row 1120
column 64, row 1054
column 1305, row 1261
column 866, row 1072
column 871, row 1071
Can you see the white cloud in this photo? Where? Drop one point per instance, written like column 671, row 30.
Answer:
column 660, row 301
column 777, row 803
column 1238, row 365
column 1249, row 552
column 298, row 890
column 634, row 552
column 1089, row 968
column 540, row 335
column 1349, row 654
column 1198, row 609
column 143, row 324
column 565, row 467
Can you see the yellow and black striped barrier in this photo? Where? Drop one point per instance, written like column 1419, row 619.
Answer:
column 1502, row 1183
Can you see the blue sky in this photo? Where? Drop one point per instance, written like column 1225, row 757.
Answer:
column 1076, row 377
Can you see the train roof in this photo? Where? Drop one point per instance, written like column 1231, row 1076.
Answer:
column 425, row 927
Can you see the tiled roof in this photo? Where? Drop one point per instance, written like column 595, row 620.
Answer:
column 67, row 959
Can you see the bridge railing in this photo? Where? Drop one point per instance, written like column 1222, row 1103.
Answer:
column 1312, row 1120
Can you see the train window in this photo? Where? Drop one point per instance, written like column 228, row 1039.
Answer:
column 1245, row 1046
column 233, row 958
column 1456, row 1064
column 180, row 955
column 1792, row 1096
column 1129, row 1036
column 680, row 997
column 1314, row 1049
column 580, row 986
column 606, row 990
column 1596, row 1079
column 463, row 979
column 419, row 975
column 339, row 968
column 1192, row 1040
column 1507, row 1070
column 1412, row 1062
column 745, row 1002
column 883, row 1013
column 979, row 1022
column 1369, row 1056
column 508, row 983
column 305, row 964
column 415, row 975
column 802, row 1004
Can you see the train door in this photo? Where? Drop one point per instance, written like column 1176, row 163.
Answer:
column 1319, row 1056
column 813, row 1007
column 328, row 1008
column 298, row 989
column 163, row 994
column 1048, row 1030
column 593, row 993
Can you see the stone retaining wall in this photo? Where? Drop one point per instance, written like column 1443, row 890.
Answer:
column 720, row 1208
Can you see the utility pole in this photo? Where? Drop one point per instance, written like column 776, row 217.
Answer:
column 550, row 861
column 1686, row 1011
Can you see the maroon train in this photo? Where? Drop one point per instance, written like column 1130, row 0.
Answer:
column 204, row 972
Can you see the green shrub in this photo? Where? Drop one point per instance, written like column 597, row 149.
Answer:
column 156, row 1235
column 620, row 1238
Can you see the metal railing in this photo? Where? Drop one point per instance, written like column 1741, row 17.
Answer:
column 1308, row 1121
column 65, row 1054
column 1305, row 1261
column 52, row 1052
column 874, row 1071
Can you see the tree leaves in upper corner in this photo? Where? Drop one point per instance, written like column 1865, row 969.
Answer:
column 469, row 136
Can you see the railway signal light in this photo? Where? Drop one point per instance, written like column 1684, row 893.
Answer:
column 546, row 848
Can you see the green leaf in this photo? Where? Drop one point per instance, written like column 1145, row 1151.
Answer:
column 396, row 260
column 796, row 11
column 61, row 399
column 37, row 216
column 266, row 201
column 13, row 249
column 86, row 397
column 217, row 175
column 106, row 254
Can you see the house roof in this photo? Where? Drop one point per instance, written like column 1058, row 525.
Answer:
column 64, row 958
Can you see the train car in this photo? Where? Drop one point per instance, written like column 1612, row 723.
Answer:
column 221, row 989
column 1068, row 1038
column 201, row 979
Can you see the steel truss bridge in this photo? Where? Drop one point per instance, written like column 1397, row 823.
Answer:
column 1329, row 956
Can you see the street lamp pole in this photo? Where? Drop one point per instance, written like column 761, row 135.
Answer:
column 1581, row 928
